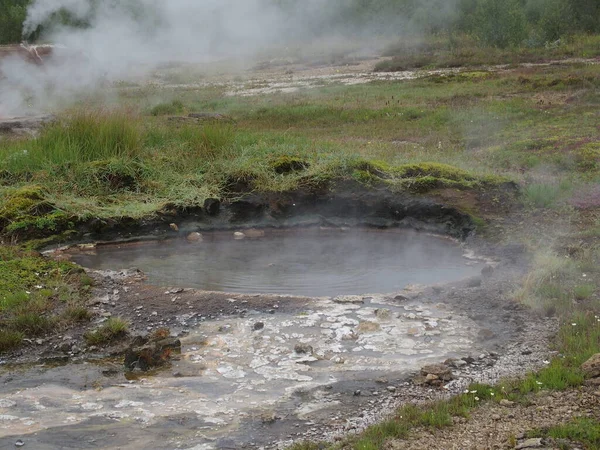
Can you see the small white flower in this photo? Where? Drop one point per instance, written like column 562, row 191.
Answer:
column 466, row 391
column 492, row 394
column 584, row 275
column 476, row 399
column 539, row 383
column 546, row 361
column 574, row 324
column 473, row 392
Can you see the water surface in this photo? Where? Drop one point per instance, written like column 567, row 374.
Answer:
column 307, row 262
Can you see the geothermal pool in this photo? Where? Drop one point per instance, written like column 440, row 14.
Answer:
column 306, row 262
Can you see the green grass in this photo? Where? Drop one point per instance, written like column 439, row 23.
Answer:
column 582, row 430
column 110, row 331
column 37, row 295
column 174, row 107
column 464, row 50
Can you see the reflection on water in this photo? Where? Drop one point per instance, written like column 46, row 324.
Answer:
column 312, row 263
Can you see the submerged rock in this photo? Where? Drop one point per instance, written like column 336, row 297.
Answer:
column 194, row 237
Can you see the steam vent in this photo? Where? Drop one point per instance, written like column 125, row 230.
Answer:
column 299, row 225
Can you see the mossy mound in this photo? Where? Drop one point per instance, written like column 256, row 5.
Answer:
column 287, row 164
column 25, row 213
column 420, row 178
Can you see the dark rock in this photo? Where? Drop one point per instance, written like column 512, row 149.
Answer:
column 150, row 354
column 258, row 326
column 303, row 348
column 474, row 282
column 487, row 270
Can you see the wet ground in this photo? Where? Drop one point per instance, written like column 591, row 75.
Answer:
column 264, row 370
column 306, row 263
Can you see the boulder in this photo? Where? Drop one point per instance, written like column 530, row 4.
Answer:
column 591, row 368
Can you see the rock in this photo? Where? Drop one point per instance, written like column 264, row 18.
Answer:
column 303, row 349
column 487, row 270
column 441, row 371
column 496, row 417
column 474, row 282
column 19, row 443
column 401, row 297
column 391, row 388
column 258, row 326
column 431, row 377
column 174, row 227
column 194, row 237
column 507, row 403
column 591, row 368
column 212, row 206
column 144, row 354
column 357, row 393
column 530, row 443
column 238, row 235
column 253, row 233
column 383, row 314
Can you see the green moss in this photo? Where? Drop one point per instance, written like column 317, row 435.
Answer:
column 26, row 213
column 435, row 170
column 284, row 164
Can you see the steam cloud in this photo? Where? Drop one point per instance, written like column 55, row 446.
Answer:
column 128, row 38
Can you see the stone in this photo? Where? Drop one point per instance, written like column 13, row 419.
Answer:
column 238, row 235
column 591, row 368
column 442, row 371
column 194, row 237
column 530, row 443
column 145, row 354
column 391, row 388
column 474, row 282
column 507, row 403
column 253, row 233
column 383, row 314
column 431, row 377
column 19, row 443
column 487, row 270
column 303, row 349
column 174, row 227
column 258, row 326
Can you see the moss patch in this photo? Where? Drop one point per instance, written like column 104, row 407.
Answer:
column 25, row 213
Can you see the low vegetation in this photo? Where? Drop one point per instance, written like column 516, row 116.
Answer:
column 38, row 296
column 114, row 328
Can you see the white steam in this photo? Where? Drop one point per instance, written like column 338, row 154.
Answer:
column 129, row 38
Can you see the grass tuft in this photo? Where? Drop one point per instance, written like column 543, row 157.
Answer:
column 111, row 330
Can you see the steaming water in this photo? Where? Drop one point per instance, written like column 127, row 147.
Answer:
column 311, row 263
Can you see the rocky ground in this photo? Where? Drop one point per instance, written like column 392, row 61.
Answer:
column 505, row 426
